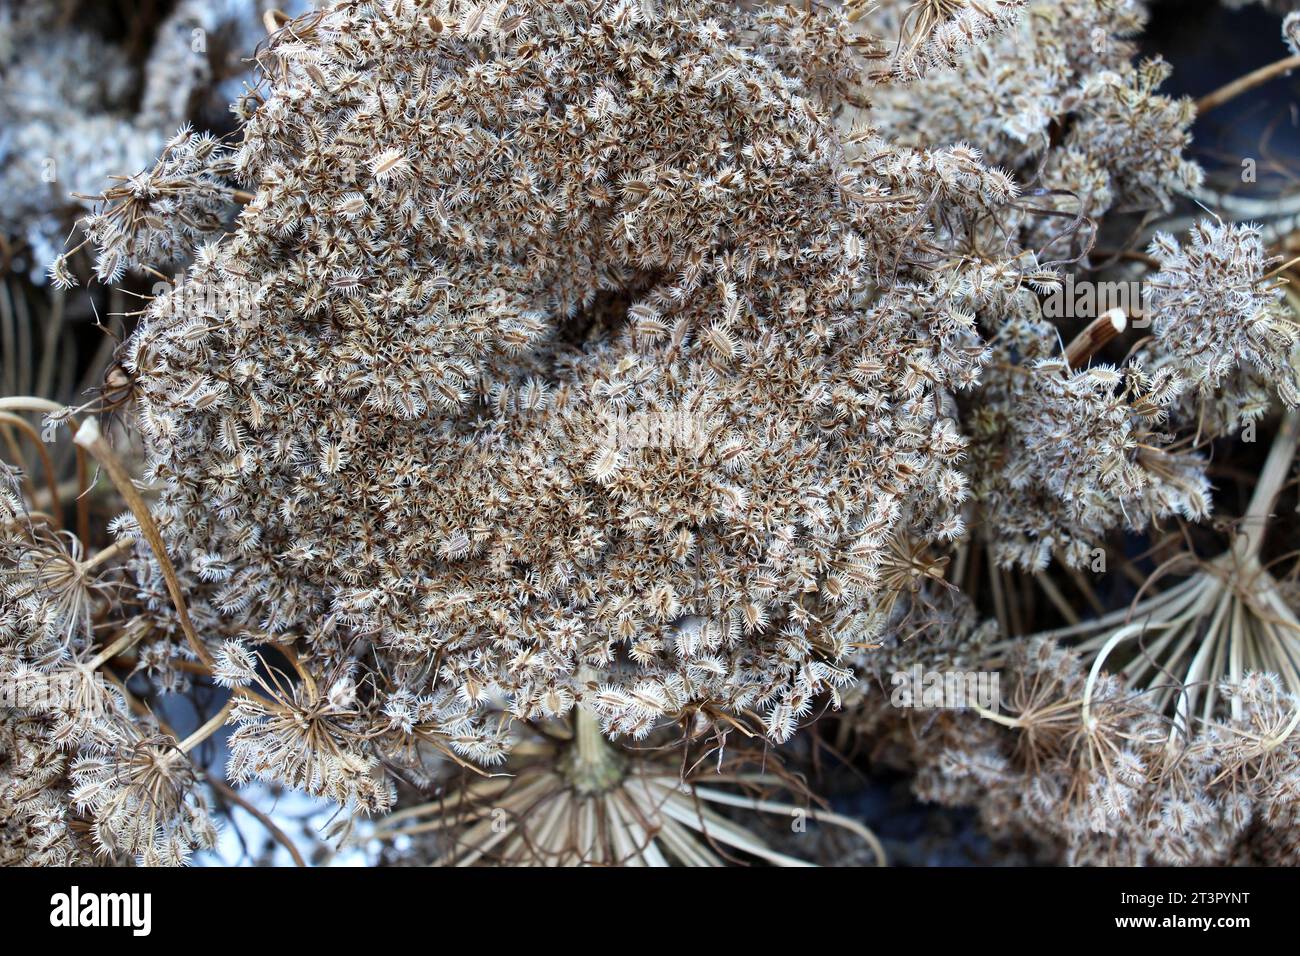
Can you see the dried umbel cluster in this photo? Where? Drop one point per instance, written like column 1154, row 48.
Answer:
column 1059, row 100
column 77, row 107
column 1063, row 456
column 1080, row 455
column 935, row 34
column 83, row 778
column 551, row 373
column 50, row 76
column 1060, row 456
column 1165, row 734
column 1076, row 760
column 1221, row 324
column 485, row 244
column 1184, row 752
column 158, row 216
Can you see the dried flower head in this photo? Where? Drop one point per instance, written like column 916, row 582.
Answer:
column 647, row 351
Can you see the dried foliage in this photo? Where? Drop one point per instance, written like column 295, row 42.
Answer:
column 1088, row 765
column 442, row 196
column 554, row 389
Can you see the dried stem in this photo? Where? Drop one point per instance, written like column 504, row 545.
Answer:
column 1092, row 339
column 592, row 764
column 1272, row 479
column 213, row 724
column 51, row 482
column 90, row 438
column 279, row 835
column 1245, row 83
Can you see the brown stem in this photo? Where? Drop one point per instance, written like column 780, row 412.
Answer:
column 1248, row 82
column 109, row 553
column 129, row 638
column 51, row 482
column 215, row 723
column 90, row 438
column 16, row 452
column 261, row 817
column 1091, row 340
column 273, row 20
column 83, row 505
